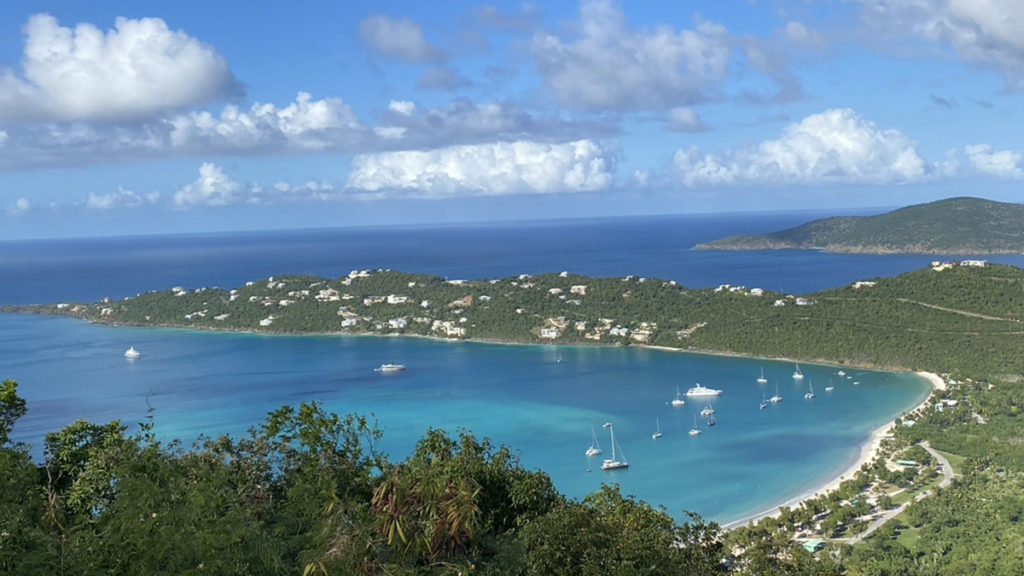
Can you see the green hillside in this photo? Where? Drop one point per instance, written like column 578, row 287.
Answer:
column 952, row 226
column 961, row 319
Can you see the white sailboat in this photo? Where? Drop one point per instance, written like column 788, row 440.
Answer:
column 777, row 398
column 762, row 379
column 810, row 393
column 707, row 411
column 841, row 373
column 678, row 401
column 595, row 447
column 764, row 401
column 797, row 374
column 657, row 429
column 132, row 354
column 694, row 431
column 830, row 386
column 614, row 463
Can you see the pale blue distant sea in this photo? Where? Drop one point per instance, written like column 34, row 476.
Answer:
column 202, row 383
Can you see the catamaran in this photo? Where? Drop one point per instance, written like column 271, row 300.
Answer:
column 810, row 393
column 657, row 429
column 699, row 390
column 614, row 463
column 830, row 386
column 595, row 447
column 762, row 379
column 694, row 431
column 777, row 398
column 389, row 368
column 797, row 374
column 678, row 399
column 132, row 354
column 707, row 411
column 841, row 373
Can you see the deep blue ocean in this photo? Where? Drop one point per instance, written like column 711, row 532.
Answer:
column 213, row 383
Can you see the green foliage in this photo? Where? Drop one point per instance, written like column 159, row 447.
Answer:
column 952, row 226
column 12, row 407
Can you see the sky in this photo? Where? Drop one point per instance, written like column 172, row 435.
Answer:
column 140, row 117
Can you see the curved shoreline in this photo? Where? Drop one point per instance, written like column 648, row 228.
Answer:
column 868, row 449
column 868, row 452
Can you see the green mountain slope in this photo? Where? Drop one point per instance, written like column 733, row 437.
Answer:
column 951, row 226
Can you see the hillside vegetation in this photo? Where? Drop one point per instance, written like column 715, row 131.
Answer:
column 961, row 226
column 960, row 319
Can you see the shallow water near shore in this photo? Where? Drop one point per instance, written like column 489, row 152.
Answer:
column 522, row 396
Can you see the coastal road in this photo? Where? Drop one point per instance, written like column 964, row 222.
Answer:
column 947, row 479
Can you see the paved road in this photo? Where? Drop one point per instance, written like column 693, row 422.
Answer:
column 947, row 473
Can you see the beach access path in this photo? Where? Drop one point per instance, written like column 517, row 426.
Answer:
column 947, row 479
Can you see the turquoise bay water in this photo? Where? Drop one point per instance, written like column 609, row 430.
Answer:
column 212, row 383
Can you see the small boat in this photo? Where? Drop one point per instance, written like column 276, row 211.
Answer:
column 657, row 429
column 132, row 354
column 707, row 411
column 810, row 393
column 797, row 374
column 841, row 373
column 614, row 463
column 711, row 421
column 777, row 398
column 595, row 447
column 389, row 368
column 694, row 431
column 856, row 382
column 559, row 359
column 762, row 379
column 830, row 386
column 764, row 401
column 699, row 390
column 678, row 399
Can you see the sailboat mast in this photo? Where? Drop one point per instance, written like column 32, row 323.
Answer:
column 611, row 431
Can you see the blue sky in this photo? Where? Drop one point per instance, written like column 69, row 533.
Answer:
column 143, row 117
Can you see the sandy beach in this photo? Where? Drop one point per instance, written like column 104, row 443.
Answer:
column 868, row 452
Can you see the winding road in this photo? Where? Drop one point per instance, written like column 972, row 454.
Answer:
column 947, row 479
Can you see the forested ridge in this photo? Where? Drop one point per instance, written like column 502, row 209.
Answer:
column 306, row 492
column 965, row 226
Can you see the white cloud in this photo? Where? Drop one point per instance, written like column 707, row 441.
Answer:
column 136, row 70
column 798, row 33
column 401, row 39
column 403, row 107
column 988, row 33
column 3, row 137
column 609, row 66
column 833, row 146
column 485, row 169
column 683, row 119
column 464, row 122
column 120, row 198
column 21, row 207
column 212, row 188
column 305, row 124
column 1001, row 164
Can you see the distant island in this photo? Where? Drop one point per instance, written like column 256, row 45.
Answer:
column 955, row 226
column 933, row 319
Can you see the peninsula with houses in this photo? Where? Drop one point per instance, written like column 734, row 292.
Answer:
column 954, row 226
column 928, row 319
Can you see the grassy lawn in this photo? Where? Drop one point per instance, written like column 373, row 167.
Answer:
column 909, row 537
